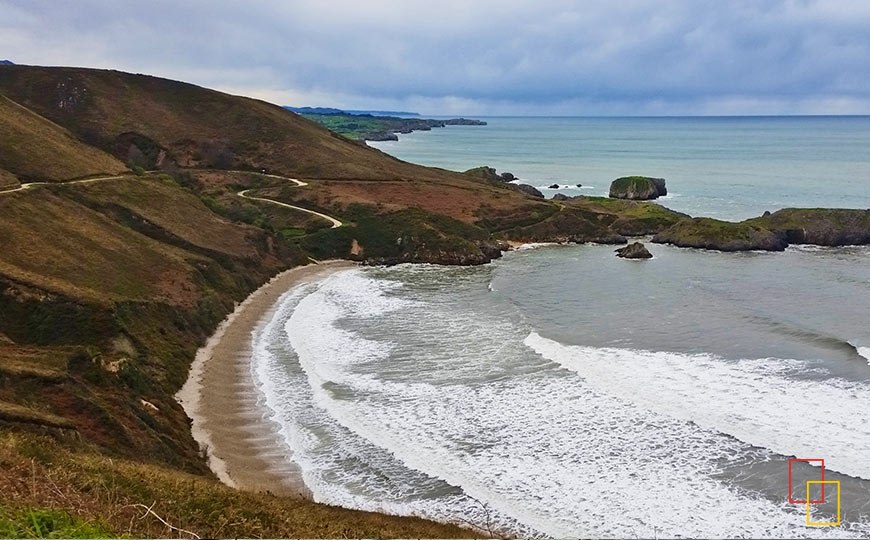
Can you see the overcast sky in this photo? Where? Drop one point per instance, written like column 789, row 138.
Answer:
column 595, row 57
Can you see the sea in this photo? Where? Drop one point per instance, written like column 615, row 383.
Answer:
column 563, row 392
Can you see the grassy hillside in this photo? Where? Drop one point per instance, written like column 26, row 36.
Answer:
column 160, row 121
column 37, row 149
column 107, row 288
column 8, row 180
column 52, row 489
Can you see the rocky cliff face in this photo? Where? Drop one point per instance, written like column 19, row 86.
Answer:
column 819, row 226
column 638, row 188
column 773, row 232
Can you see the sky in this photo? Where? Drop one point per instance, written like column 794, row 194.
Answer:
column 474, row 57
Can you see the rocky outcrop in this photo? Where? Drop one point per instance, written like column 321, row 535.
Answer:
column 490, row 174
column 773, row 231
column 819, row 226
column 568, row 224
column 485, row 173
column 638, row 188
column 380, row 136
column 635, row 250
column 710, row 233
column 461, row 255
column 531, row 190
column 553, row 186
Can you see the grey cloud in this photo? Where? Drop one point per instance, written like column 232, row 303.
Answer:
column 607, row 57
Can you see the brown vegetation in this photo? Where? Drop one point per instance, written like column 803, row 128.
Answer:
column 37, row 149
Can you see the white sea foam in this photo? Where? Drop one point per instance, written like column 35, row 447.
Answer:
column 865, row 352
column 558, row 454
column 756, row 401
column 534, row 245
column 322, row 447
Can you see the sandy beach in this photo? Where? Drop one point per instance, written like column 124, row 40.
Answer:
column 220, row 396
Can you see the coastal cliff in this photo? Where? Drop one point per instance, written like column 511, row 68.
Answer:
column 772, row 231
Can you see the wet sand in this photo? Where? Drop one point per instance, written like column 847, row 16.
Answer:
column 244, row 449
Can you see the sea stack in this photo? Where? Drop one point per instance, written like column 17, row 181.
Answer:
column 634, row 251
column 638, row 188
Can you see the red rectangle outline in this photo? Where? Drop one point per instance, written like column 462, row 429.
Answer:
column 789, row 482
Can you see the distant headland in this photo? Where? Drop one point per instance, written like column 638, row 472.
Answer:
column 375, row 125
column 332, row 110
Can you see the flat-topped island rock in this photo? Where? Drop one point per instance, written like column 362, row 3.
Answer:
column 639, row 188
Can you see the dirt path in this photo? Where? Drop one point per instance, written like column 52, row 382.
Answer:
column 30, row 185
column 335, row 223
column 244, row 193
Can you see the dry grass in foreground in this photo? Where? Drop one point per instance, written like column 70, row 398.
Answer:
column 52, row 490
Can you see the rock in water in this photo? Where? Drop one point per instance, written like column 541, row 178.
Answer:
column 638, row 188
column 634, row 251
column 554, row 186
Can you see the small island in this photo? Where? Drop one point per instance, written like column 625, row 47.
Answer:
column 638, row 188
column 635, row 250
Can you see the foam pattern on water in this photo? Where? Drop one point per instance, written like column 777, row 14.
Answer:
column 546, row 452
column 339, row 466
column 759, row 401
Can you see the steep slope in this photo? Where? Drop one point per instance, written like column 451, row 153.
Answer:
column 8, row 180
column 34, row 148
column 157, row 121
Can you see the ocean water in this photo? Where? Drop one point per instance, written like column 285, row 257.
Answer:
column 563, row 392
column 725, row 167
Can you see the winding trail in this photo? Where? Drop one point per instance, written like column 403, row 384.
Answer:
column 244, row 193
column 30, row 185
column 299, row 183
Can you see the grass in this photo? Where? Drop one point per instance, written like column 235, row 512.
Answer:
column 8, row 180
column 712, row 233
column 403, row 235
column 196, row 127
column 48, row 523
column 10, row 412
column 350, row 126
column 34, row 148
column 59, row 489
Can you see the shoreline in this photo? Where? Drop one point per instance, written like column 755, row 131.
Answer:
column 221, row 398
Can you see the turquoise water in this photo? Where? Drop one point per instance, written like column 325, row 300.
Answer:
column 728, row 167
